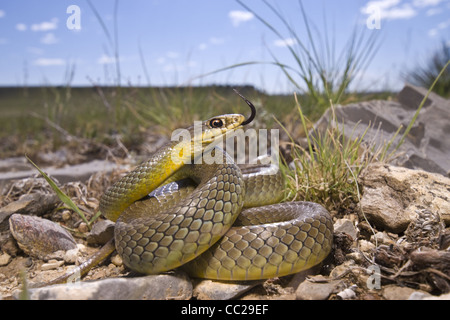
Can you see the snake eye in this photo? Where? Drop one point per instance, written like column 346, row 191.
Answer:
column 216, row 123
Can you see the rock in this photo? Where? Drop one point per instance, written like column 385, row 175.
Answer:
column 346, row 226
column 445, row 296
column 4, row 259
column 394, row 292
column 366, row 246
column 215, row 290
column 8, row 244
column 33, row 204
column 39, row 237
column 66, row 215
column 347, row 294
column 83, row 227
column 102, row 231
column 71, row 255
column 56, row 255
column 51, row 265
column 77, row 172
column 424, row 148
column 393, row 196
column 174, row 286
column 117, row 260
column 342, row 269
column 309, row 290
column 419, row 295
column 381, row 238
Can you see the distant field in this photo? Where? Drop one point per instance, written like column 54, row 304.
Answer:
column 33, row 118
column 30, row 117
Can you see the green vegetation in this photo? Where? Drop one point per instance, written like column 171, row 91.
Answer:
column 42, row 118
column 326, row 172
column 320, row 73
column 425, row 74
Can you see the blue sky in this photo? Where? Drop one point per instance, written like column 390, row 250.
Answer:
column 182, row 39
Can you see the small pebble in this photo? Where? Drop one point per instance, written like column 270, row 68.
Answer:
column 347, row 294
column 83, row 228
column 117, row 260
column 4, row 259
column 71, row 256
column 381, row 238
column 57, row 255
column 51, row 264
column 355, row 256
column 28, row 263
column 366, row 246
column 66, row 215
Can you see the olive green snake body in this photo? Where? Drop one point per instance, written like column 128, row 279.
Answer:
column 172, row 212
column 206, row 231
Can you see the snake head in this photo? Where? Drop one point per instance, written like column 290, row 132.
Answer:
column 219, row 126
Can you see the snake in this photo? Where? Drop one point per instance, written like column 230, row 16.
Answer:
column 218, row 220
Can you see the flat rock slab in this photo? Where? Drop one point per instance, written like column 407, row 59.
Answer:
column 310, row 290
column 157, row 287
column 19, row 169
column 393, row 196
column 426, row 147
column 216, row 290
column 40, row 237
column 32, row 204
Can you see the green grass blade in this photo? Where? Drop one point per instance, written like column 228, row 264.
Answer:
column 413, row 120
column 95, row 217
column 61, row 195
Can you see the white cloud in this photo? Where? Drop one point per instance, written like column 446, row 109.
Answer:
column 381, row 5
column 404, row 12
column 396, row 9
column 21, row 26
column 389, row 10
column 441, row 26
column 105, row 59
column 202, row 46
column 49, row 38
column 433, row 32
column 45, row 62
column 288, row 42
column 2, row 13
column 444, row 25
column 237, row 17
column 433, row 11
column 426, row 3
column 46, row 25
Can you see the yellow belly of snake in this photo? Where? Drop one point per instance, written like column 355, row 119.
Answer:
column 206, row 228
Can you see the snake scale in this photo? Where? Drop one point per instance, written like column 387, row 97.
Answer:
column 217, row 221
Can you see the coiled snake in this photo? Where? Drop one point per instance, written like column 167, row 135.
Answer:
column 203, row 226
